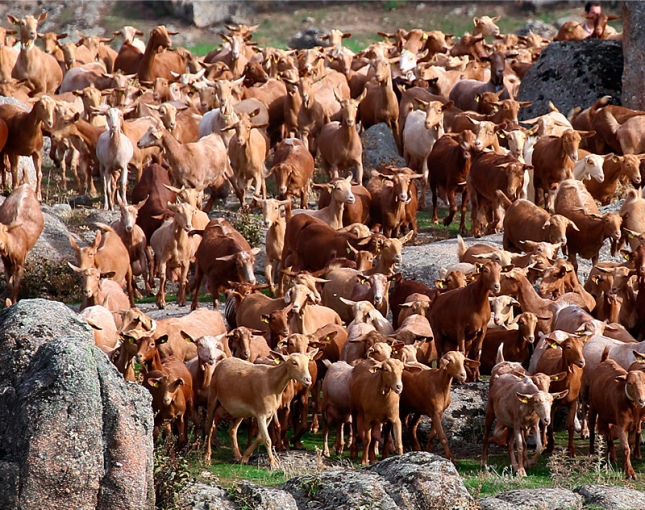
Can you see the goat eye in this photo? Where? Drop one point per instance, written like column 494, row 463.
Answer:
column 152, row 344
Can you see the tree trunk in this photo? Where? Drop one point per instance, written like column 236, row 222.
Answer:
column 634, row 57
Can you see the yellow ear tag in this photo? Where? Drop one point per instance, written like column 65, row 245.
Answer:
column 425, row 36
column 596, row 280
column 265, row 321
column 363, row 281
column 628, row 256
column 554, row 346
column 276, row 361
column 394, row 351
column 131, row 340
column 556, row 378
column 502, row 135
column 331, row 59
column 476, row 99
column 327, row 338
column 639, row 359
column 279, row 77
column 440, row 285
column 615, row 159
column 570, row 29
column 155, row 384
column 525, row 400
column 187, row 340
column 495, row 108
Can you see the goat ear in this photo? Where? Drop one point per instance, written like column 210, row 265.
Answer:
column 108, row 274
column 13, row 20
column 558, row 396
column 376, row 368
column 278, row 357
column 189, row 339
column 162, row 339
column 154, row 381
column 97, row 240
column 471, row 363
column 407, row 237
column 42, row 17
column 523, row 397
column 73, row 244
column 621, row 378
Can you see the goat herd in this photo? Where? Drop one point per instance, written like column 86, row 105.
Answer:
column 186, row 125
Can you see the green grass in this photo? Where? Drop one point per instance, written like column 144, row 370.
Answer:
column 424, row 221
column 555, row 470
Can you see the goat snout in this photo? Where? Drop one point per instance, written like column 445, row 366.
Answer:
column 128, row 228
column 581, row 363
column 530, row 339
column 167, row 401
column 306, row 381
column 398, row 388
column 496, row 288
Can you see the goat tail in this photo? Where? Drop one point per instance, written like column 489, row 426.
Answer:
column 605, row 354
column 504, row 200
column 105, row 227
column 499, row 357
column 461, row 248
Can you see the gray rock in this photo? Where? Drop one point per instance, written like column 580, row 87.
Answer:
column 423, row 480
column 464, row 420
column 308, row 38
column 410, row 481
column 63, row 210
column 495, row 504
column 534, row 499
column 424, row 262
column 257, row 497
column 53, row 244
column 616, row 498
column 74, row 434
column 379, row 148
column 571, row 74
column 202, row 496
column 634, row 71
column 538, row 27
column 203, row 14
column 340, row 490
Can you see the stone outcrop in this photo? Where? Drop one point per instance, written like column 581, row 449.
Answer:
column 379, row 148
column 203, row 14
column 73, row 433
column 571, row 74
column 410, row 481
